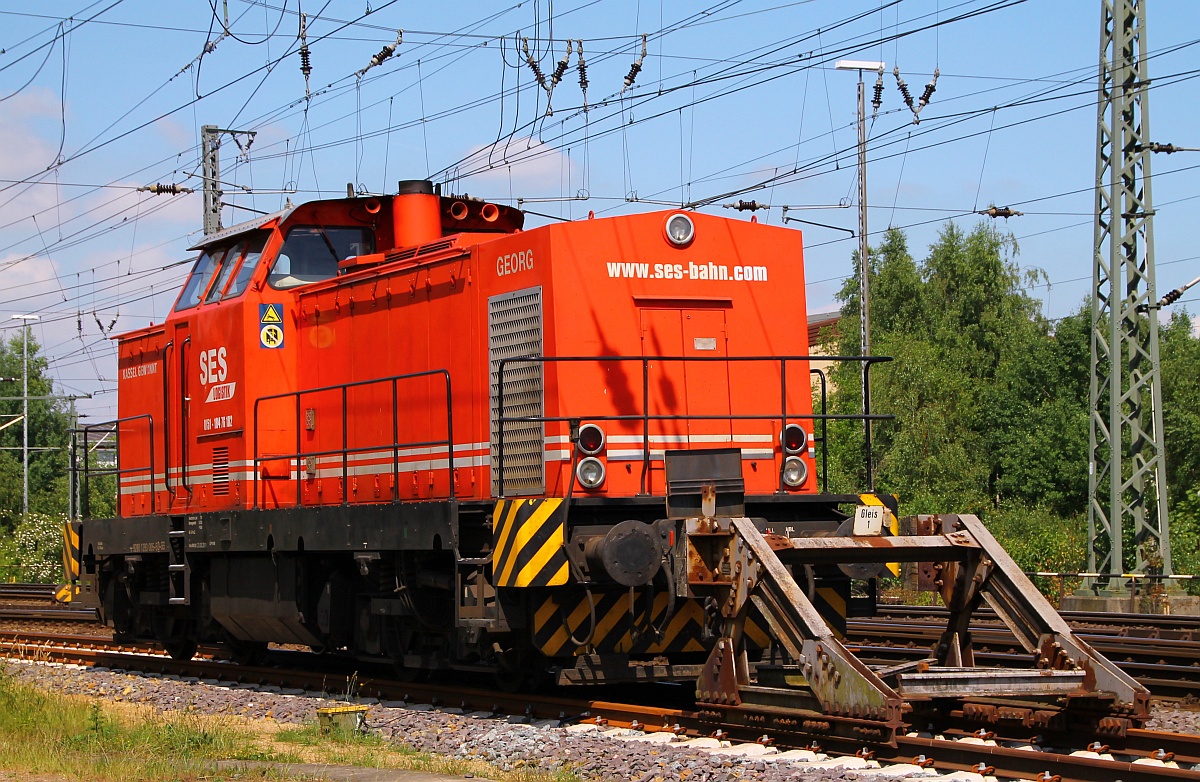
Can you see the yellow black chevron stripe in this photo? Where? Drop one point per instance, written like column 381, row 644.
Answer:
column 70, row 565
column 563, row 615
column 830, row 603
column 527, row 543
column 755, row 631
column 892, row 521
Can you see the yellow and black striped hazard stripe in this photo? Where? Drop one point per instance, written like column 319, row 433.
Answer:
column 893, row 523
column 528, row 536
column 70, row 565
column 562, row 616
column 830, row 602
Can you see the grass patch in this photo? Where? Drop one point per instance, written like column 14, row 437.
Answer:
column 75, row 737
column 46, row 733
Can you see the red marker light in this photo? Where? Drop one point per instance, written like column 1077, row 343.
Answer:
column 591, row 439
column 793, row 439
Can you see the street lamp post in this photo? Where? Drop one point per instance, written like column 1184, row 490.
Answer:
column 25, row 407
column 863, row 249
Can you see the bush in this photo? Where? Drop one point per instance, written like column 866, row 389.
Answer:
column 39, row 547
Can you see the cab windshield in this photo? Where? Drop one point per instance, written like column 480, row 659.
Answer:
column 310, row 253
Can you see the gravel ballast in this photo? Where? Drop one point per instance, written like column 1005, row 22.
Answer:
column 506, row 742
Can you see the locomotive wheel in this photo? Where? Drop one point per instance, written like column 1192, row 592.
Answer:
column 182, row 649
column 521, row 671
column 248, row 652
column 411, row 675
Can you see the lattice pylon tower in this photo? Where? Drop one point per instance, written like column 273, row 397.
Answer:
column 1127, row 486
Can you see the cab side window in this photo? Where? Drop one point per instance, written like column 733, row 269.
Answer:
column 206, row 266
column 227, row 266
column 311, row 253
column 254, row 248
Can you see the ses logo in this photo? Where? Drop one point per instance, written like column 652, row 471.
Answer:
column 213, row 371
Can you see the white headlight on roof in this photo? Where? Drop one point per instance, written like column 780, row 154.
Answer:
column 680, row 230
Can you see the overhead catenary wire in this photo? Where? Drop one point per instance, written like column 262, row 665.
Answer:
column 566, row 138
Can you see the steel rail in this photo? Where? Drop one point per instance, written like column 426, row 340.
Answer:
column 948, row 754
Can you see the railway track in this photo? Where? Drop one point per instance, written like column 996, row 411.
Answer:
column 1169, row 667
column 1135, row 758
column 27, row 591
column 1179, row 627
column 35, row 602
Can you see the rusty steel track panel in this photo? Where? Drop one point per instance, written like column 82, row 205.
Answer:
column 49, row 614
column 27, row 591
column 1176, row 626
column 947, row 754
column 1168, row 667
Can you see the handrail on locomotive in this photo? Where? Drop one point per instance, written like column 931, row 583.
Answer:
column 784, row 416
column 345, row 450
column 80, row 480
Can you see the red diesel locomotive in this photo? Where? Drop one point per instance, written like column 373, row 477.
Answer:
column 404, row 428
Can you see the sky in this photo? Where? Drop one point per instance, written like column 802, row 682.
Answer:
column 733, row 100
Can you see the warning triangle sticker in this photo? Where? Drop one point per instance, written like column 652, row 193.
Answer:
column 270, row 314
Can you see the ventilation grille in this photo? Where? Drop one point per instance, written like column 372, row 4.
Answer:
column 515, row 329
column 424, row 249
column 220, row 462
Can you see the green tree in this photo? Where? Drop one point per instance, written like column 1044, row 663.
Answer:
column 49, row 434
column 1180, row 362
column 990, row 401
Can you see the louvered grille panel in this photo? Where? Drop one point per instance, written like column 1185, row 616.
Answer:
column 220, row 467
column 515, row 329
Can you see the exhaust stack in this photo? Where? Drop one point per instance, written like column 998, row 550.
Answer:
column 416, row 213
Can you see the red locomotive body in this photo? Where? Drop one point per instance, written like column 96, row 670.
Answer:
column 362, row 414
column 228, row 377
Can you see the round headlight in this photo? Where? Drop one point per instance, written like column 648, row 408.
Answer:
column 795, row 471
column 590, row 472
column 590, row 439
column 680, row 230
column 793, row 438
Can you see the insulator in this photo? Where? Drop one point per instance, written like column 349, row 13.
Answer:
column 583, row 79
column 561, row 68
column 1000, row 211
column 903, row 87
column 533, row 66
column 305, row 61
column 929, row 90
column 877, row 100
column 384, row 53
column 636, row 68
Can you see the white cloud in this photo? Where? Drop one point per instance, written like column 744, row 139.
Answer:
column 26, row 124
